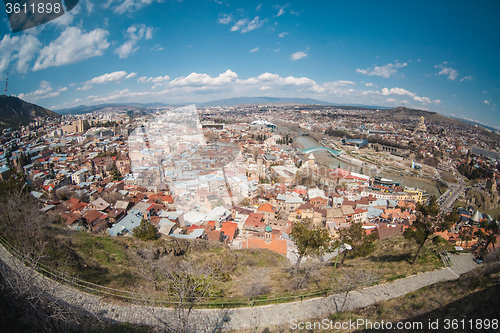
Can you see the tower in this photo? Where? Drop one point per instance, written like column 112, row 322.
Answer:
column 311, row 159
column 421, row 125
column 268, row 237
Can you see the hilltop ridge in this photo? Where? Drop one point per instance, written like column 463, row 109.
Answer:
column 14, row 112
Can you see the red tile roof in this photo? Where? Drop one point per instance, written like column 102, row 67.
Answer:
column 267, row 207
column 229, row 229
column 276, row 245
column 255, row 220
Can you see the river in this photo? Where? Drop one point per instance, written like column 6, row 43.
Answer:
column 309, row 142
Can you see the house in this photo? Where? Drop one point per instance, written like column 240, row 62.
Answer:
column 98, row 204
column 127, row 224
column 166, row 226
column 271, row 241
column 91, row 217
column 390, row 231
column 215, row 235
column 317, row 198
column 230, row 230
column 198, row 233
column 319, row 202
column 115, row 215
column 145, row 208
column 288, row 203
column 255, row 222
column 73, row 221
column 219, row 215
column 122, row 204
column 269, row 211
column 334, row 215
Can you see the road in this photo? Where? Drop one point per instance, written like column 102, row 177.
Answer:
column 447, row 200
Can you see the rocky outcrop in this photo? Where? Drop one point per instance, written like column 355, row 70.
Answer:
column 482, row 199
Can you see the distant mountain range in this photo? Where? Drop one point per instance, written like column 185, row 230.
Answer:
column 15, row 112
column 277, row 100
column 235, row 101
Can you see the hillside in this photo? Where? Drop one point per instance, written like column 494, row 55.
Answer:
column 15, row 112
column 401, row 113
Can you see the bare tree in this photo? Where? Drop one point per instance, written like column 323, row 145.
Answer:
column 147, row 266
column 259, row 285
column 185, row 283
column 42, row 303
column 351, row 280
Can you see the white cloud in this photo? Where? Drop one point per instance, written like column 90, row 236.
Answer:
column 299, row 55
column 158, row 48
column 199, row 87
column 135, row 33
column 107, row 78
column 424, row 100
column 158, row 79
column 45, row 91
column 383, row 71
column 245, row 25
column 450, row 72
column 149, row 33
column 107, row 3
column 72, row 46
column 29, row 46
column 21, row 48
column 281, row 9
column 283, row 34
column 195, row 79
column 66, row 19
column 369, row 84
column 468, row 78
column 89, row 6
column 404, row 92
column 486, row 102
column 254, row 50
column 397, row 91
column 131, row 5
column 391, row 100
column 258, row 6
column 225, row 19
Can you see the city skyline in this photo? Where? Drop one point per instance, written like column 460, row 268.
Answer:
column 433, row 56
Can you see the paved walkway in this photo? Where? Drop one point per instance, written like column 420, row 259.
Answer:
column 243, row 318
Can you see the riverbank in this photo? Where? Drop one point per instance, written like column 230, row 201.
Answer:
column 344, row 162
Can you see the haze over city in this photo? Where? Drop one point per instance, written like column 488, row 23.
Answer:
column 427, row 55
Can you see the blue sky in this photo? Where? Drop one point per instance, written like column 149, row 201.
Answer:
column 436, row 55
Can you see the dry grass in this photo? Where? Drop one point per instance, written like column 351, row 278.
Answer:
column 475, row 295
column 113, row 262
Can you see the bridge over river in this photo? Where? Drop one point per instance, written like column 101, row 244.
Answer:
column 313, row 149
